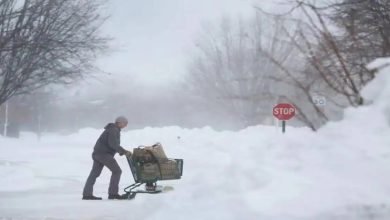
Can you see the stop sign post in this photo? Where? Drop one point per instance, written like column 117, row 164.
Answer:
column 284, row 112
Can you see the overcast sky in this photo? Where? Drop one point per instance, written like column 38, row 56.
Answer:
column 152, row 37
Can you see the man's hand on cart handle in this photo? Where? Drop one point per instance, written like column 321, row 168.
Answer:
column 128, row 153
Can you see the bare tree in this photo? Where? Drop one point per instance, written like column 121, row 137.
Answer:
column 324, row 52
column 366, row 23
column 291, row 80
column 313, row 66
column 336, row 40
column 340, row 38
column 229, row 69
column 46, row 41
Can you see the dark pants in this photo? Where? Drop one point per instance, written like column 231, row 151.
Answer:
column 99, row 161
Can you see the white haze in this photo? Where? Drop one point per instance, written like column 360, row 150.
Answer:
column 143, row 72
column 150, row 47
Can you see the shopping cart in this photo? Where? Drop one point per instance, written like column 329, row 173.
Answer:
column 151, row 171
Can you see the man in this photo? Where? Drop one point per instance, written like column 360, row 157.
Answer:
column 105, row 148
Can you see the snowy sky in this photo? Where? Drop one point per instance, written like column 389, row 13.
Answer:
column 152, row 37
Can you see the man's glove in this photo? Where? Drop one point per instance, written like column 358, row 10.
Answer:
column 128, row 153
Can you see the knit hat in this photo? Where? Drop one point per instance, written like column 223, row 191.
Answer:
column 121, row 119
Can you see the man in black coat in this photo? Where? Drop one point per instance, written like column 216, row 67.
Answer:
column 103, row 154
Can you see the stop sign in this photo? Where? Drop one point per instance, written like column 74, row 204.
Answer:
column 284, row 111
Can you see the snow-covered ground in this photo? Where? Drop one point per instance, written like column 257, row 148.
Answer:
column 341, row 172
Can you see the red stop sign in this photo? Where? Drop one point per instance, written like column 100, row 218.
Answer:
column 284, row 111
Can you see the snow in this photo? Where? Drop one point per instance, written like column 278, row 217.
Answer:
column 341, row 172
column 379, row 63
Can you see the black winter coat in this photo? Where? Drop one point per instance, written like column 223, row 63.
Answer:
column 109, row 141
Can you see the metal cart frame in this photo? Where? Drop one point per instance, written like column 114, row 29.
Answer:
column 136, row 170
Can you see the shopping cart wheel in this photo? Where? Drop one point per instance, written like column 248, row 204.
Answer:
column 131, row 196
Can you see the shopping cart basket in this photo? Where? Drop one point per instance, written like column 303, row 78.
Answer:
column 150, row 172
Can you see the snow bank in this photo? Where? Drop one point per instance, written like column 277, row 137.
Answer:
column 378, row 90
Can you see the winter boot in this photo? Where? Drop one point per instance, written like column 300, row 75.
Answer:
column 119, row 197
column 91, row 198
